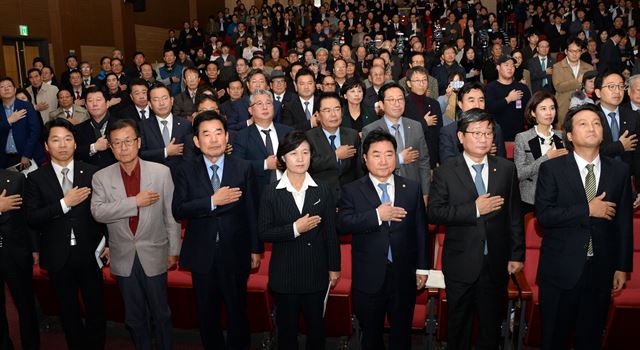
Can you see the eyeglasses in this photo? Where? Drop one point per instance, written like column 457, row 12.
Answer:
column 479, row 134
column 616, row 87
column 577, row 51
column 127, row 142
column 329, row 84
column 329, row 110
column 419, row 81
column 399, row 100
column 263, row 104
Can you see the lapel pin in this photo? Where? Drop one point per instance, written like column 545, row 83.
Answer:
column 494, row 170
column 403, row 185
column 81, row 172
column 179, row 123
column 8, row 180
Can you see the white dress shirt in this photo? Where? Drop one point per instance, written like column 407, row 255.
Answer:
column 57, row 169
column 274, row 142
column 582, row 167
column 485, row 173
column 146, row 113
column 548, row 144
column 169, row 120
column 298, row 196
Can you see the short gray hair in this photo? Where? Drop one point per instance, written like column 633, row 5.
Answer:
column 260, row 92
column 632, row 79
column 321, row 50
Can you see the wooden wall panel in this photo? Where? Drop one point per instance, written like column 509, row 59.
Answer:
column 10, row 64
column 34, row 13
column 150, row 40
column 93, row 24
column 164, row 14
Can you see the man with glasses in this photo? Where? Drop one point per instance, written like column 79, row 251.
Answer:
column 165, row 139
column 476, row 196
column 133, row 198
column 92, row 143
column 185, row 102
column 417, row 59
column 541, row 68
column 328, row 84
column 301, row 113
column 413, row 155
column 567, row 76
column 281, row 96
column 620, row 139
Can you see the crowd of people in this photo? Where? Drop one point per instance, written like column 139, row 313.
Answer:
column 292, row 125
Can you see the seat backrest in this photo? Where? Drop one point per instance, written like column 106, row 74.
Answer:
column 439, row 245
column 533, row 232
column 636, row 234
column 345, row 260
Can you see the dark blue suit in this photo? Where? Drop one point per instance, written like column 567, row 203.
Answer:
column 373, row 279
column 248, row 145
column 219, row 269
column 237, row 113
column 26, row 134
column 152, row 148
column 571, row 285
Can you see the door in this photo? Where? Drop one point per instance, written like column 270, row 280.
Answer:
column 18, row 54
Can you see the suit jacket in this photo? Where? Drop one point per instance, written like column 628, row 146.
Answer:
column 420, row 170
column 538, row 75
column 565, row 84
column 450, row 146
column 528, row 156
column 370, row 97
column 367, row 114
column 158, row 233
column 609, row 57
column 183, row 105
column 47, row 93
column 371, row 241
column 26, row 134
column 79, row 113
column 299, row 264
column 324, row 166
column 293, row 114
column 278, row 105
column 431, row 133
column 452, row 203
column 235, row 223
column 16, row 236
column 248, row 145
column 130, row 111
column 85, row 136
column 628, row 122
column 44, row 214
column 563, row 212
column 153, row 145
column 237, row 113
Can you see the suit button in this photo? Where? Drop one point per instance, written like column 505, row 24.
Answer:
column 309, row 244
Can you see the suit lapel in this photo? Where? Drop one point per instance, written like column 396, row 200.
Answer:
column 311, row 201
column 369, row 191
column 254, row 134
column 54, row 183
column 175, row 132
column 146, row 183
column 203, row 175
column 534, row 146
column 462, row 171
column 495, row 174
column 557, row 141
column 155, row 130
column 573, row 175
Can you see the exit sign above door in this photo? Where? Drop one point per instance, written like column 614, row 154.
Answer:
column 24, row 30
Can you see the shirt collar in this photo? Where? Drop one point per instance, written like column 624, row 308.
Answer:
column 582, row 163
column 270, row 127
column 606, row 111
column 169, row 119
column 541, row 135
column 57, row 168
column 633, row 106
column 471, row 162
column 390, row 181
column 390, row 123
column 219, row 162
column 327, row 133
column 286, row 184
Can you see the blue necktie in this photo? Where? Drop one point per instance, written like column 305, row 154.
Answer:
column 10, row 147
column 307, row 113
column 615, row 128
column 384, row 199
column 332, row 141
column 215, row 183
column 481, row 189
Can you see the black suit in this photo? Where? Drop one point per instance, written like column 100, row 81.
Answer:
column 475, row 281
column 219, row 269
column 153, row 146
column 16, row 267
column 248, row 145
column 380, row 287
column 293, row 114
column 324, row 165
column 628, row 121
column 183, row 105
column 85, row 136
column 370, row 97
column 450, row 147
column 71, row 268
column 131, row 112
column 431, row 133
column 299, row 267
column 575, row 290
column 609, row 57
column 538, row 75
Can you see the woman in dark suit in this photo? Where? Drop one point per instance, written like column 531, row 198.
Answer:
column 356, row 114
column 298, row 217
column 536, row 145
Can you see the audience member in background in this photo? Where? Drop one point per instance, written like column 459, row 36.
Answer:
column 139, row 109
column 587, row 93
column 78, row 91
column 300, row 113
column 171, row 73
column 184, row 102
column 541, row 68
column 133, row 198
column 298, row 217
column 92, row 144
column 88, row 80
column 48, row 77
column 568, row 76
column 356, row 114
column 609, row 53
column 116, row 97
column 72, row 64
column 68, row 110
column 536, row 145
column 43, row 96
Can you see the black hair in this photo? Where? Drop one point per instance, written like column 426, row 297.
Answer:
column 211, row 63
column 3, row 79
column 466, row 88
column 568, row 120
column 206, row 116
column 604, row 75
column 377, row 136
column 304, row 71
column 291, row 141
column 388, row 86
column 57, row 123
column 328, row 95
column 33, row 70
column 350, row 84
column 157, row 85
column 63, row 90
column 121, row 124
column 96, row 90
column 474, row 115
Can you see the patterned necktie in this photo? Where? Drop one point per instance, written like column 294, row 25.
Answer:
column 385, row 199
column 215, row 180
column 615, row 128
column 143, row 114
column 307, row 113
column 543, row 65
column 68, row 114
column 398, row 136
column 481, row 189
column 269, row 146
column 590, row 191
column 166, row 137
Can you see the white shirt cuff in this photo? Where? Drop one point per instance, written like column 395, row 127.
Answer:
column 92, row 149
column 296, row 234
column 422, row 272
column 63, row 205
column 400, row 159
column 378, row 216
column 477, row 212
column 265, row 165
column 165, row 152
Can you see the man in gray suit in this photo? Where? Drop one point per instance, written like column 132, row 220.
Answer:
column 133, row 197
column 413, row 156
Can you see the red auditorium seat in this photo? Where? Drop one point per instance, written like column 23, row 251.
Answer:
column 339, row 316
column 509, row 147
column 622, row 324
column 259, row 301
column 43, row 291
column 533, row 241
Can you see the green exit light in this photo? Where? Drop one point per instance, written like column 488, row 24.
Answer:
column 24, row 30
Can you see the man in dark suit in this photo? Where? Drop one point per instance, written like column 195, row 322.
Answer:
column 184, row 103
column 217, row 195
column 424, row 109
column 172, row 42
column 587, row 249
column 165, row 138
column 57, row 198
column 541, row 77
column 376, row 77
column 92, row 145
column 19, row 129
column 609, row 54
column 471, row 95
column 18, row 252
column 386, row 216
column 236, row 108
column 335, row 158
column 300, row 112
column 251, row 143
column 139, row 109
column 622, row 124
column 281, row 96
column 477, row 197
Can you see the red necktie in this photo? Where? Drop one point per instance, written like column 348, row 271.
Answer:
column 77, row 95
